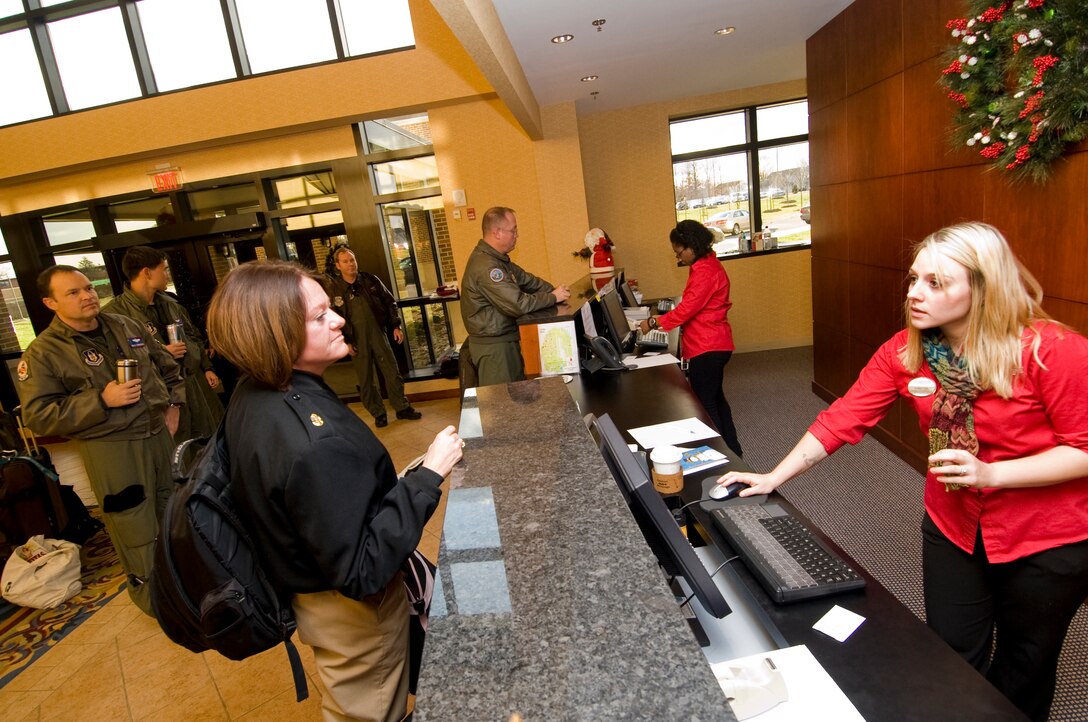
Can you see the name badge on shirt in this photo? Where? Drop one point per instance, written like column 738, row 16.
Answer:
column 922, row 386
column 136, row 341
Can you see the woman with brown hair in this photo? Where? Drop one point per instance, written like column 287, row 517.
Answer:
column 318, row 491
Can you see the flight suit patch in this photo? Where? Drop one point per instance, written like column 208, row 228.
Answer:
column 136, row 341
column 151, row 328
column 497, row 275
column 22, row 371
column 316, row 420
column 92, row 357
column 338, row 301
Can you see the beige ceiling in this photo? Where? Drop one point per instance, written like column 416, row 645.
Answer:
column 652, row 50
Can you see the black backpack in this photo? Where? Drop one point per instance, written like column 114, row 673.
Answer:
column 208, row 590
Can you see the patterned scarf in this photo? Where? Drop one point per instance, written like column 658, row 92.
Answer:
column 953, row 422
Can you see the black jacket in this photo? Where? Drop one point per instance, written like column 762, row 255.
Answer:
column 318, row 491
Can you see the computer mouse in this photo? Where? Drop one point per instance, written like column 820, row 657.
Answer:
column 724, row 493
column 753, row 690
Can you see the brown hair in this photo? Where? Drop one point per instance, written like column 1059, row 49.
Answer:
column 492, row 217
column 257, row 319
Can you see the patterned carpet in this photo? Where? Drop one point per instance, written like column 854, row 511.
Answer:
column 26, row 634
column 864, row 496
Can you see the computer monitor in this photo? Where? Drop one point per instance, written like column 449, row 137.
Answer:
column 667, row 542
column 627, row 295
column 615, row 321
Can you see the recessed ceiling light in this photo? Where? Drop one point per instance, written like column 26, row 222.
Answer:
column 589, row 78
column 560, row 39
column 725, row 31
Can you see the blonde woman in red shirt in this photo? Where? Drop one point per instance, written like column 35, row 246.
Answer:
column 1001, row 392
column 702, row 314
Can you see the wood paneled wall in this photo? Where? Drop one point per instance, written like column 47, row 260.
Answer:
column 884, row 176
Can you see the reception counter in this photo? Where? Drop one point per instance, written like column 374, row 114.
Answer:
column 550, row 605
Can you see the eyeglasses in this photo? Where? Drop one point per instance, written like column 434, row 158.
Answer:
column 513, row 230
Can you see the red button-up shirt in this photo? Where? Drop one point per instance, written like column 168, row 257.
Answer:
column 1048, row 408
column 703, row 309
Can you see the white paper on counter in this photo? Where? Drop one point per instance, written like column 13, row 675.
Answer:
column 808, row 684
column 650, row 359
column 676, row 433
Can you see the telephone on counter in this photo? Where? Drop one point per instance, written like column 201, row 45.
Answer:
column 608, row 358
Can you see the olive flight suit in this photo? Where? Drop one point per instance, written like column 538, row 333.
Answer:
column 369, row 310
column 495, row 292
column 126, row 450
column 203, row 410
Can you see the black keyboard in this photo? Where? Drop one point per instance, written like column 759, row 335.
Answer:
column 655, row 338
column 783, row 554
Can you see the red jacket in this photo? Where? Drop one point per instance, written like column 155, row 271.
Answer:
column 1048, row 408
column 703, row 309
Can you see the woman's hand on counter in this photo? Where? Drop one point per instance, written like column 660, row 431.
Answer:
column 561, row 293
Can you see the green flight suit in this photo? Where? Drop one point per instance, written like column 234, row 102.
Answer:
column 369, row 309
column 495, row 292
column 203, row 410
column 126, row 450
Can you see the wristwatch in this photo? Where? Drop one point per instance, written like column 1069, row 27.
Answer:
column 653, row 322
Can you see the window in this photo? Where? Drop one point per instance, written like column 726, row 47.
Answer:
column 16, row 333
column 285, row 35
column 97, row 51
column 306, row 190
column 405, row 175
column 743, row 171
column 226, row 200
column 186, row 42
column 94, row 59
column 371, row 27
column 143, row 213
column 407, row 131
column 69, row 227
column 25, row 97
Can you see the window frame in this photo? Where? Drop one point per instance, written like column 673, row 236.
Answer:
column 751, row 148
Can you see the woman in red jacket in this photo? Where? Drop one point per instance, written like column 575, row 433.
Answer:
column 703, row 315
column 1000, row 390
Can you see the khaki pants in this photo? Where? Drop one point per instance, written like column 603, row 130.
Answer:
column 361, row 651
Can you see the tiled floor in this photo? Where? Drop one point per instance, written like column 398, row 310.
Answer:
column 119, row 666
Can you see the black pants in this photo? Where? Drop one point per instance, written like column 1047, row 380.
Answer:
column 1029, row 602
column 705, row 373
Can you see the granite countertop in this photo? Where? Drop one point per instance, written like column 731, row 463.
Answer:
column 549, row 603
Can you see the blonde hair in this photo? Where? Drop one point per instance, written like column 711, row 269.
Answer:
column 1005, row 301
column 257, row 319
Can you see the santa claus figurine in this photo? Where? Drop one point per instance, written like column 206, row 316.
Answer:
column 601, row 265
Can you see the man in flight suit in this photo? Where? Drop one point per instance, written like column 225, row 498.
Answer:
column 369, row 310
column 145, row 301
column 495, row 291
column 68, row 387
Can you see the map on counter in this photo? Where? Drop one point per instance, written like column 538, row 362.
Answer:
column 558, row 348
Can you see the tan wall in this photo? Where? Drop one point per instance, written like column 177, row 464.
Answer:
column 629, row 192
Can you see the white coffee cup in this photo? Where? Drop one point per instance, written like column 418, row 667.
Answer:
column 667, row 475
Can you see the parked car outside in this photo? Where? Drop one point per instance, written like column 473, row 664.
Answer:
column 806, row 214
column 730, row 221
column 681, row 205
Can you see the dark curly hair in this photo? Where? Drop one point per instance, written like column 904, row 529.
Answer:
column 694, row 235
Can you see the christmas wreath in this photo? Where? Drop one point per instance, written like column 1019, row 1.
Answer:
column 1019, row 73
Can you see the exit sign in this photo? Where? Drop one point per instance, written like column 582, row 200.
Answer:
column 164, row 181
